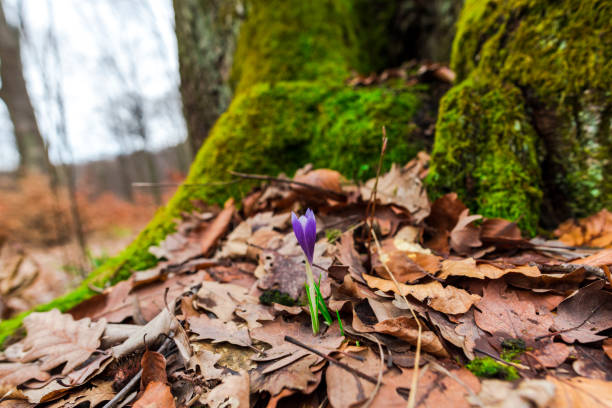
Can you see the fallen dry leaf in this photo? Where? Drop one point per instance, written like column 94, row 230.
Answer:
column 98, row 392
column 584, row 314
column 19, row 373
column 580, row 392
column 525, row 394
column 447, row 299
column 296, row 376
column 54, row 338
column 218, row 331
column 284, row 268
column 595, row 230
column 156, row 395
column 501, row 313
column 591, row 363
column 402, row 188
column 222, row 299
column 203, row 362
column 233, row 392
column 599, row 259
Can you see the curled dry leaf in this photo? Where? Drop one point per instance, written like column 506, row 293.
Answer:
column 153, row 366
column 444, row 215
column 347, row 255
column 163, row 323
column 449, row 299
column 465, row 236
column 468, row 268
column 323, row 178
column 406, row 328
column 584, row 314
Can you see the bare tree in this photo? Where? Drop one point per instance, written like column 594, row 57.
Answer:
column 14, row 93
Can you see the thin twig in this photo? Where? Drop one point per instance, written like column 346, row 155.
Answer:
column 331, row 193
column 332, row 360
column 569, row 268
column 128, row 387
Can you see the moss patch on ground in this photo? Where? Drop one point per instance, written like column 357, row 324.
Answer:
column 487, row 367
column 553, row 63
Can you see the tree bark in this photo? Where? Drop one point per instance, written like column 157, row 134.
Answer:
column 206, row 32
column 14, row 93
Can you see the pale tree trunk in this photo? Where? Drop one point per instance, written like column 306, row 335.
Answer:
column 30, row 145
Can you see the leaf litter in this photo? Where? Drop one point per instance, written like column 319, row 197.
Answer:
column 226, row 311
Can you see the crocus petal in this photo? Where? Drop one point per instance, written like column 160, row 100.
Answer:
column 298, row 230
column 310, row 233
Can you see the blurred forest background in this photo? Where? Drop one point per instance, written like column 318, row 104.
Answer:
column 90, row 106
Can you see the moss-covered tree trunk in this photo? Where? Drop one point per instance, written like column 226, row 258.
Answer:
column 526, row 133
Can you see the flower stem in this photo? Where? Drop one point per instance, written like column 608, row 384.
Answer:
column 312, row 298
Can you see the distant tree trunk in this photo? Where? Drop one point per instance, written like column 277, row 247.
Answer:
column 206, row 31
column 30, row 145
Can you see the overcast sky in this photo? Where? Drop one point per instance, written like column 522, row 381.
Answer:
column 139, row 34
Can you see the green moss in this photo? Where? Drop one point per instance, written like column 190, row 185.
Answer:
column 486, row 151
column 560, row 58
column 349, row 129
column 487, row 367
column 295, row 40
column 271, row 296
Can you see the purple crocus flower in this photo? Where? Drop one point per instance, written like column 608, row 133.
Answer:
column 305, row 230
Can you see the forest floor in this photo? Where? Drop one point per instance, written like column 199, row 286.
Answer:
column 428, row 304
